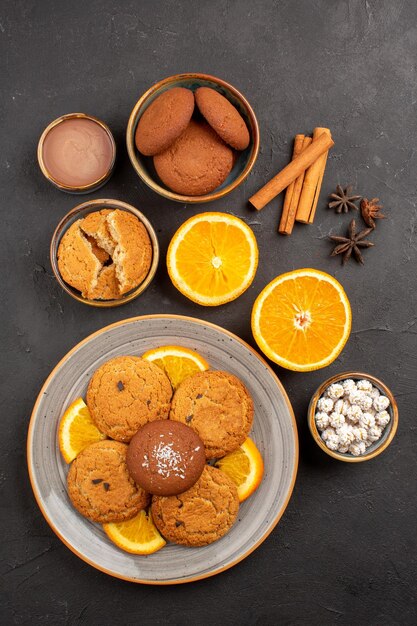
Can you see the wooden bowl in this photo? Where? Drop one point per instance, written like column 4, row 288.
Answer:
column 81, row 211
column 378, row 446
column 244, row 162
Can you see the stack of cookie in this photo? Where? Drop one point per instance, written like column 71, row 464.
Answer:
column 105, row 254
column 158, row 449
column 193, row 148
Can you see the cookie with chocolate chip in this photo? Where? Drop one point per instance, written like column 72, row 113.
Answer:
column 125, row 393
column 218, row 406
column 201, row 515
column 100, row 486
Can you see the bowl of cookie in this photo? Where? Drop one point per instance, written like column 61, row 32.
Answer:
column 192, row 138
column 104, row 253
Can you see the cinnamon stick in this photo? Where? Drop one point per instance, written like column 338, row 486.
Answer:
column 295, row 196
column 298, row 145
column 291, row 171
column 312, row 183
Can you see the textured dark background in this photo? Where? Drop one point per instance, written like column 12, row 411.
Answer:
column 344, row 552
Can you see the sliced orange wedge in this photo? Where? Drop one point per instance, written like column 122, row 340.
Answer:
column 302, row 320
column 245, row 467
column 77, row 430
column 138, row 535
column 177, row 362
column 212, row 258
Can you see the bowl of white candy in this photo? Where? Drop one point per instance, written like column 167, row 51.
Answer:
column 353, row 417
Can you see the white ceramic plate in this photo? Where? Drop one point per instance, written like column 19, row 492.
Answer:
column 274, row 432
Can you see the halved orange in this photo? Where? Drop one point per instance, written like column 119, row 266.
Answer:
column 177, row 362
column 138, row 535
column 245, row 467
column 77, row 430
column 212, row 258
column 302, row 320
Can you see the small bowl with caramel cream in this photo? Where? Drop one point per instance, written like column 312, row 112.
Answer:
column 77, row 153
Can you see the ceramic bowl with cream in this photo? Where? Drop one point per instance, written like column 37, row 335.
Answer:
column 77, row 153
column 244, row 160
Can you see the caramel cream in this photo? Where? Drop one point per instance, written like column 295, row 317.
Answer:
column 77, row 152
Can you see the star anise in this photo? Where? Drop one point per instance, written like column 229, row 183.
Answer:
column 343, row 200
column 370, row 210
column 352, row 243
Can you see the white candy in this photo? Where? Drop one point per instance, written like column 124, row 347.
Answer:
column 361, row 399
column 329, row 432
column 322, row 420
column 346, row 436
column 367, row 420
column 364, row 385
column 338, row 406
column 325, row 404
column 357, row 448
column 354, row 413
column 382, row 418
column 374, row 433
column 335, row 391
column 381, row 403
column 348, row 385
column 337, row 420
column 343, row 449
column 332, row 442
column 374, row 393
column 360, row 434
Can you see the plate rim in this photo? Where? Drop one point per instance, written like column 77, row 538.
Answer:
column 29, row 457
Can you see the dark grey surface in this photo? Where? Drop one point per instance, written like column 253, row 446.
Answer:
column 345, row 550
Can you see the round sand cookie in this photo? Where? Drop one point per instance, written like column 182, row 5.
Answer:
column 218, row 407
column 125, row 393
column 196, row 163
column 200, row 515
column 100, row 487
column 223, row 117
column 166, row 457
column 132, row 255
column 107, row 286
column 164, row 120
column 77, row 263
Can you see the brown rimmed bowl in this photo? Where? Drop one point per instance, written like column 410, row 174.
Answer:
column 378, row 446
column 244, row 162
column 81, row 211
column 94, row 185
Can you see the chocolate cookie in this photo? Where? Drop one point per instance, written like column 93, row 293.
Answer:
column 200, row 515
column 165, row 457
column 125, row 393
column 100, row 487
column 218, row 407
column 164, row 120
column 196, row 163
column 223, row 117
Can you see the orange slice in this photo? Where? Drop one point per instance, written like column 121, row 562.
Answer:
column 138, row 535
column 302, row 320
column 77, row 430
column 245, row 467
column 212, row 258
column 177, row 362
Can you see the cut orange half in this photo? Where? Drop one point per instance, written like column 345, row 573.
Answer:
column 212, row 258
column 138, row 535
column 245, row 467
column 177, row 362
column 77, row 430
column 302, row 320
